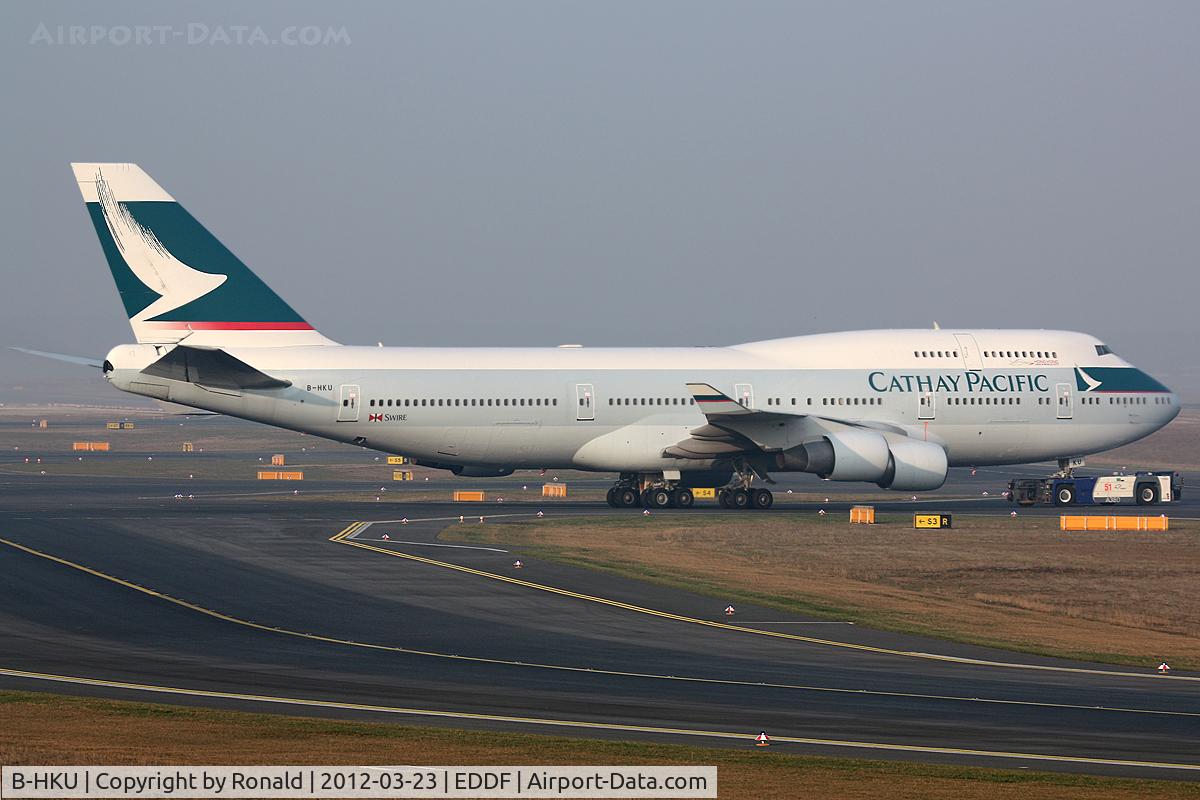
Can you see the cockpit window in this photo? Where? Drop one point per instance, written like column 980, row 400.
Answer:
column 1103, row 350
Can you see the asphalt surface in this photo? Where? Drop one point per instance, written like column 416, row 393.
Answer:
column 235, row 593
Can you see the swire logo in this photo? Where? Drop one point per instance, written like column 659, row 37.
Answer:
column 375, row 418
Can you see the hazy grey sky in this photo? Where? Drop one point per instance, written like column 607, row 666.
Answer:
column 625, row 173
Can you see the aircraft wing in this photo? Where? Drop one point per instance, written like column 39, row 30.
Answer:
column 718, row 406
column 733, row 429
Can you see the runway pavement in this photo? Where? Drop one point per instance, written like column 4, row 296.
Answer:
column 237, row 600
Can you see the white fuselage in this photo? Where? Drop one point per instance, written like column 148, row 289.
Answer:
column 987, row 396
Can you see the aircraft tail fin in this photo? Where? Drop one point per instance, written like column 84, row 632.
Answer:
column 176, row 280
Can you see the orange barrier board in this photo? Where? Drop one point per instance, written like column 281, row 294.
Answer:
column 862, row 514
column 1112, row 522
column 268, row 475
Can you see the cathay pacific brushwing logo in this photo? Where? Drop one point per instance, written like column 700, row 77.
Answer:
column 147, row 258
column 1085, row 382
column 1115, row 379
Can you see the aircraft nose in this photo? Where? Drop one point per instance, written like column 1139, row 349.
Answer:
column 1173, row 406
column 1170, row 400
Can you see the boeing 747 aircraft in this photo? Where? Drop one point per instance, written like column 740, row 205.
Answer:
column 894, row 408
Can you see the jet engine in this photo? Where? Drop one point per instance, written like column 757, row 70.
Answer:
column 855, row 455
column 915, row 466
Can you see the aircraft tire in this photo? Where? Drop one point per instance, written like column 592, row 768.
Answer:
column 627, row 498
column 739, row 499
column 656, row 498
column 611, row 497
column 762, row 499
column 684, row 497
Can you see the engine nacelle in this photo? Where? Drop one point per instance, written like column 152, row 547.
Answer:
column 915, row 467
column 815, row 456
column 857, row 456
column 904, row 465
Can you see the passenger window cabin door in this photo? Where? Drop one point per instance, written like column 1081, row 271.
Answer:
column 585, row 402
column 969, row 351
column 1065, row 400
column 926, row 405
column 349, row 397
column 744, row 394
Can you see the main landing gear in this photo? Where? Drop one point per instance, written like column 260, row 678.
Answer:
column 650, row 490
column 739, row 494
column 633, row 491
column 740, row 498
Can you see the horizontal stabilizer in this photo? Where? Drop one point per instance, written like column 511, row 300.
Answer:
column 81, row 360
column 214, row 368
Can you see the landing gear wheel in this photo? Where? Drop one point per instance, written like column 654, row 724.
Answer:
column 627, row 498
column 723, row 498
column 611, row 497
column 656, row 498
column 684, row 497
column 1064, row 495
column 1147, row 494
column 762, row 499
column 739, row 499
